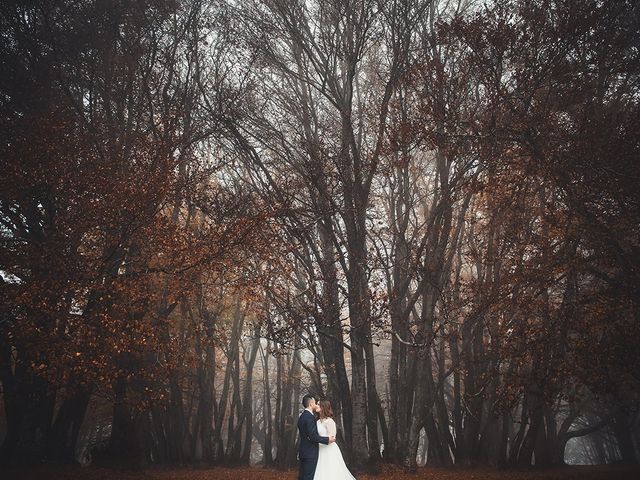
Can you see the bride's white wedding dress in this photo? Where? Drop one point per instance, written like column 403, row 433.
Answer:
column 330, row 465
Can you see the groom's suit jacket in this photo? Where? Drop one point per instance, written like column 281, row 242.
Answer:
column 309, row 437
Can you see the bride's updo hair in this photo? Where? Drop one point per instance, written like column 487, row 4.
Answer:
column 326, row 410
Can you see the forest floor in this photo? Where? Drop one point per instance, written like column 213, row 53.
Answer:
column 54, row 472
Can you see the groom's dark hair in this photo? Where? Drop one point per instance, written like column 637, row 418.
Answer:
column 306, row 399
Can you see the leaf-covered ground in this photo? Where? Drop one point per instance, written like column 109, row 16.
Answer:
column 194, row 473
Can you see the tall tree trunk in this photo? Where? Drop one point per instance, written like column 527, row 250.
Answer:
column 372, row 400
column 125, row 442
column 248, row 398
column 63, row 439
column 221, row 409
column 621, row 426
column 29, row 402
column 268, row 429
column 331, row 336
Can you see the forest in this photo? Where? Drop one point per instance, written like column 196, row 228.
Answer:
column 424, row 211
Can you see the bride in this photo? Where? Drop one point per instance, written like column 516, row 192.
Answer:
column 330, row 465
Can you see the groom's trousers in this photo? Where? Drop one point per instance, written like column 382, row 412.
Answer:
column 307, row 468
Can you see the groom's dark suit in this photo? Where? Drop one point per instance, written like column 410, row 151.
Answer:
column 308, row 449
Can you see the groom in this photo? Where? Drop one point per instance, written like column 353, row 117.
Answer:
column 309, row 439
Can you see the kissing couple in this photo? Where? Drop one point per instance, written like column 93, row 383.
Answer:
column 319, row 455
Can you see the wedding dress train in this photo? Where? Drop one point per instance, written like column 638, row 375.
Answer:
column 330, row 465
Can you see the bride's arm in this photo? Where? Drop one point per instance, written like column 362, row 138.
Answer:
column 331, row 427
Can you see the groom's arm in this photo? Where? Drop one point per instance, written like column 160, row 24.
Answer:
column 312, row 432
